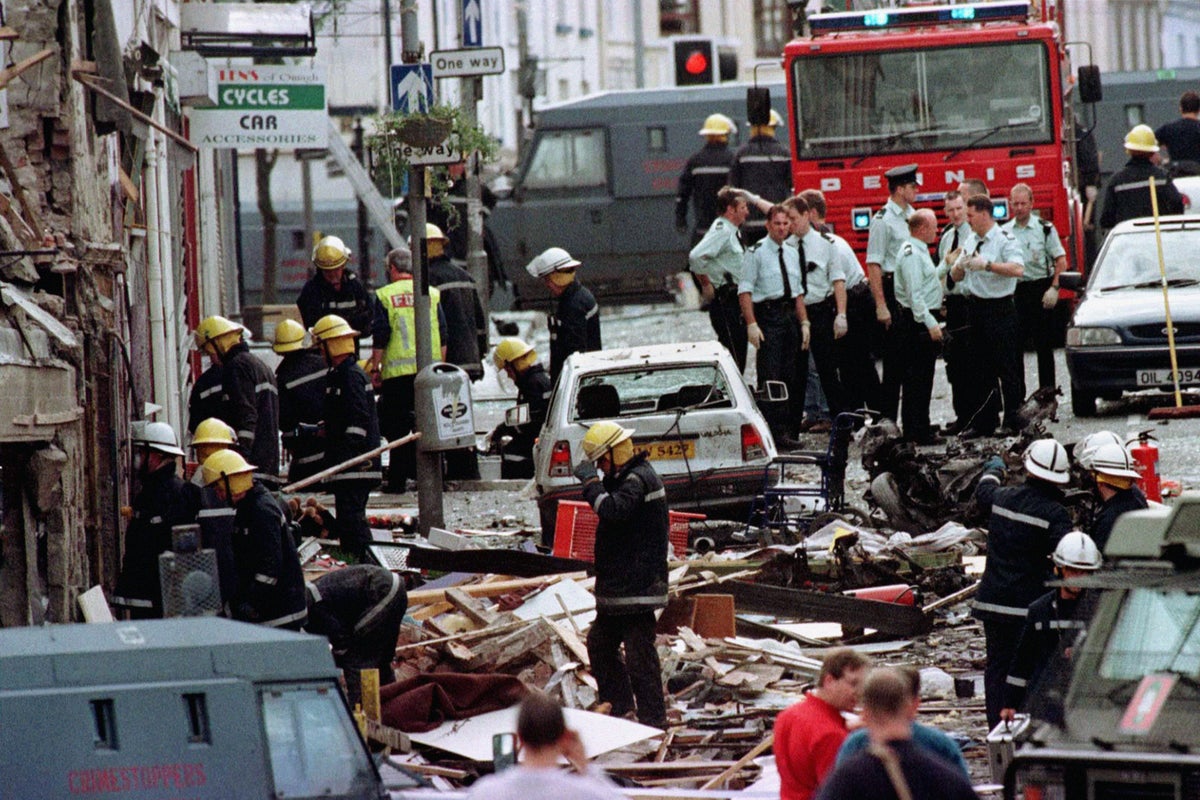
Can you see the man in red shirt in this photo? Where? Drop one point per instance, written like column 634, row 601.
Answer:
column 808, row 735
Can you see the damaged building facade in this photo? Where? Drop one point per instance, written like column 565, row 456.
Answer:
column 101, row 202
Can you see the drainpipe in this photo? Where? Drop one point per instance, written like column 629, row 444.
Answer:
column 170, row 295
column 154, row 280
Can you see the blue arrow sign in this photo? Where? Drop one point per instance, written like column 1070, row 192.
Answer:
column 472, row 34
column 412, row 88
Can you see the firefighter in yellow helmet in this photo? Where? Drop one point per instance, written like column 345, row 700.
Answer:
column 467, row 332
column 631, row 570
column 207, row 397
column 334, row 289
column 762, row 167
column 519, row 361
column 1127, row 194
column 351, row 429
column 575, row 323
column 216, row 517
column 705, row 172
column 270, row 584
column 251, row 400
column 300, row 377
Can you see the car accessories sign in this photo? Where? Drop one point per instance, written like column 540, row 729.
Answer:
column 264, row 106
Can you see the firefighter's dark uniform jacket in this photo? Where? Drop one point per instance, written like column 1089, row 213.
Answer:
column 351, row 424
column 207, row 398
column 533, row 389
column 574, row 326
column 218, row 523
column 703, row 176
column 1051, row 626
column 352, row 302
column 1127, row 194
column 252, row 409
column 300, row 378
column 270, row 585
column 763, row 166
column 1025, row 526
column 352, row 603
column 466, row 323
column 1106, row 514
column 631, row 538
column 164, row 500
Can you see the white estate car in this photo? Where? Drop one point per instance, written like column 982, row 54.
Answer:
column 689, row 408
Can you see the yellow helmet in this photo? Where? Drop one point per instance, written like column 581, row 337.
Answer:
column 773, row 121
column 213, row 331
column 717, row 125
column 289, row 336
column 230, row 466
column 330, row 253
column 508, row 351
column 602, row 437
column 213, row 431
column 1141, row 139
column 334, row 334
column 434, row 233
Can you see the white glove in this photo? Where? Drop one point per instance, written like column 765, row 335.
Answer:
column 975, row 263
column 754, row 335
column 805, row 334
column 883, row 315
column 1050, row 298
column 752, row 198
column 840, row 326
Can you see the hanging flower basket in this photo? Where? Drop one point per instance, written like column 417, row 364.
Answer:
column 423, row 131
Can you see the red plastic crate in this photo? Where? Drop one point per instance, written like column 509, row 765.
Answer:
column 575, row 531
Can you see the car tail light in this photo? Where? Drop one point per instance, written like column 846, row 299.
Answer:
column 1187, row 202
column 560, row 459
column 752, row 443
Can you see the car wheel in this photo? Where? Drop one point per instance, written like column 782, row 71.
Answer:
column 1083, row 404
column 886, row 495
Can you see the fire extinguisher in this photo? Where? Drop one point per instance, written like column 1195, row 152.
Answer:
column 1145, row 453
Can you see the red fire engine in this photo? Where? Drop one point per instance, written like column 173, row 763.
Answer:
column 965, row 91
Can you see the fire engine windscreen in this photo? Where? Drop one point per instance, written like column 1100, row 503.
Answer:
column 921, row 100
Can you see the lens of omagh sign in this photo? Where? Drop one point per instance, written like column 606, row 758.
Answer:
column 264, row 106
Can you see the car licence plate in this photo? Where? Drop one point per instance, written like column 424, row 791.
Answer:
column 1162, row 377
column 661, row 451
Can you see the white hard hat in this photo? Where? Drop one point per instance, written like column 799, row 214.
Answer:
column 1088, row 445
column 554, row 259
column 1047, row 459
column 157, row 436
column 1111, row 458
column 1077, row 550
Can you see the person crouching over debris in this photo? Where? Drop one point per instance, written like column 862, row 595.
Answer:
column 631, row 571
column 270, row 583
column 544, row 738
column 359, row 610
column 519, row 361
column 1025, row 525
column 1053, row 624
column 809, row 733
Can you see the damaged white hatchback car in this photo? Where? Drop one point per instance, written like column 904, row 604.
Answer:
column 690, row 410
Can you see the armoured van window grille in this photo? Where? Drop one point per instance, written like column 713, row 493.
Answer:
column 572, row 159
column 104, row 721
column 196, row 706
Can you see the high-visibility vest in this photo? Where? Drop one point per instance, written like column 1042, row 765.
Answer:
column 400, row 357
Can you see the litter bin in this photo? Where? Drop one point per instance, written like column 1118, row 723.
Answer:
column 443, row 403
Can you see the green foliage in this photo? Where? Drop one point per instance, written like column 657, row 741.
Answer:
column 388, row 166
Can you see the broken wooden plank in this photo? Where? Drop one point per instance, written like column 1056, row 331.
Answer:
column 573, row 643
column 470, row 607
column 795, row 603
column 497, row 653
column 395, row 739
column 495, row 589
column 736, row 767
column 30, row 215
column 9, row 73
column 951, row 599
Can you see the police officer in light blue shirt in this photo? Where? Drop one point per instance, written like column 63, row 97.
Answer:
column 716, row 261
column 919, row 298
column 771, row 296
column 991, row 263
column 956, row 349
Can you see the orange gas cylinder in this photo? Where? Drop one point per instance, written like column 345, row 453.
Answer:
column 1145, row 453
column 898, row 593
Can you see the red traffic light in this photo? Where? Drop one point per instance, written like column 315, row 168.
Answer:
column 697, row 63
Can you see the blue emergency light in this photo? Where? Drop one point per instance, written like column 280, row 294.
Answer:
column 842, row 21
column 860, row 219
column 1000, row 209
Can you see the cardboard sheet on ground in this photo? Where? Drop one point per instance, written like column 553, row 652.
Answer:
column 472, row 738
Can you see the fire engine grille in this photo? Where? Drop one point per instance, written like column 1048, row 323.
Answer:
column 1113, row 790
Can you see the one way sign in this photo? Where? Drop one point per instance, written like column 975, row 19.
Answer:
column 412, row 88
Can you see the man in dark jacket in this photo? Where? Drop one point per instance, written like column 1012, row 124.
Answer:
column 1116, row 486
column 1025, row 525
column 575, row 323
column 467, row 327
column 300, row 377
column 270, row 584
column 164, row 500
column 351, row 429
column 1127, row 195
column 631, row 571
column 762, row 166
column 519, row 361
column 251, row 405
column 207, row 397
column 218, row 521
column 705, row 172
column 334, row 289
column 359, row 610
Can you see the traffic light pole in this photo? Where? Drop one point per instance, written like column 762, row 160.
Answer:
column 429, row 463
